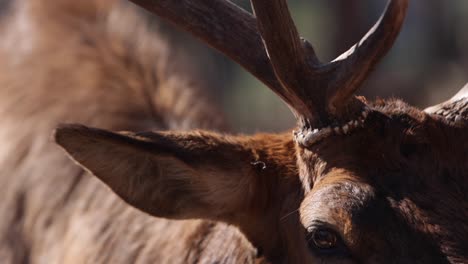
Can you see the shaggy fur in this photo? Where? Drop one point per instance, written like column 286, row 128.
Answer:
column 392, row 191
column 99, row 63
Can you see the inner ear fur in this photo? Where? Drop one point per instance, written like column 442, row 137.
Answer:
column 183, row 175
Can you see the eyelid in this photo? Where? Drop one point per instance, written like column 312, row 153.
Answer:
column 327, row 225
column 321, row 224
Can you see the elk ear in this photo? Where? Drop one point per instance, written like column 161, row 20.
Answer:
column 175, row 175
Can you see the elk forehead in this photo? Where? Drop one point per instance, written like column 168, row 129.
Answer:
column 335, row 204
column 382, row 175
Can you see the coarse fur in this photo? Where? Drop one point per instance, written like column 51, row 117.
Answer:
column 392, row 191
column 101, row 63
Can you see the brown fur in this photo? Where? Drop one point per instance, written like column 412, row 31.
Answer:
column 401, row 183
column 393, row 191
column 99, row 63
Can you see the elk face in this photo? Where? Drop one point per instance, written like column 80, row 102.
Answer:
column 374, row 183
column 377, row 178
column 389, row 192
column 392, row 191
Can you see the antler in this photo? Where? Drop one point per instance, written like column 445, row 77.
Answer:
column 318, row 93
column 225, row 27
column 455, row 109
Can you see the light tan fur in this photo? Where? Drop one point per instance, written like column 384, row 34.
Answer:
column 99, row 63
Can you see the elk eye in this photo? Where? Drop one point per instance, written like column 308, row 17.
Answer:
column 323, row 238
column 325, row 241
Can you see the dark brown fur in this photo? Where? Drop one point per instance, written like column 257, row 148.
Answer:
column 409, row 171
column 393, row 191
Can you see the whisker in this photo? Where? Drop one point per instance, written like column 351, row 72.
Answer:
column 288, row 214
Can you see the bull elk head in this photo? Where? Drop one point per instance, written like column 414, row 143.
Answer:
column 356, row 182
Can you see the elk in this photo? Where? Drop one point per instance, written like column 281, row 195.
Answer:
column 355, row 182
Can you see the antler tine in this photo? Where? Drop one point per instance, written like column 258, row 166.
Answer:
column 224, row 26
column 354, row 65
column 291, row 57
column 319, row 92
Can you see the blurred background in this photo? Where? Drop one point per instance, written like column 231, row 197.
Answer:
column 428, row 64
